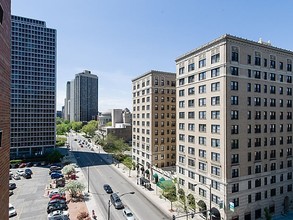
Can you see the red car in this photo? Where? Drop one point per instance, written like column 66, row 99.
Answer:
column 22, row 165
column 58, row 196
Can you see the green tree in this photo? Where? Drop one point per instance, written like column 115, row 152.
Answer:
column 54, row 156
column 61, row 129
column 90, row 128
column 191, row 201
column 59, row 120
column 74, row 188
column 76, row 125
column 169, row 192
column 268, row 215
column 115, row 145
column 108, row 124
column 68, row 169
column 128, row 163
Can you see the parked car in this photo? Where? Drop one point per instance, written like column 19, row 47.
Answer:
column 55, row 171
column 53, row 201
column 12, row 211
column 55, row 192
column 22, row 165
column 56, row 206
column 20, row 172
column 16, row 177
column 27, row 176
column 28, row 171
column 108, row 188
column 58, row 214
column 12, row 186
column 29, row 164
column 58, row 196
column 116, row 201
column 56, row 175
column 55, row 167
column 128, row 214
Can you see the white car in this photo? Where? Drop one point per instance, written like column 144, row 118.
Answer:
column 20, row 172
column 12, row 211
column 58, row 214
column 128, row 214
column 16, row 176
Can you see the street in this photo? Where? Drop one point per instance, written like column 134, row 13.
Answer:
column 101, row 173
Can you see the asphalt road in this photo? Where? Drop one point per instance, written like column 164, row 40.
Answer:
column 100, row 173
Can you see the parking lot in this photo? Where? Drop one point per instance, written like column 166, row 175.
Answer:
column 29, row 197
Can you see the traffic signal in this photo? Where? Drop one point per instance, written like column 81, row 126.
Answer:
column 173, row 217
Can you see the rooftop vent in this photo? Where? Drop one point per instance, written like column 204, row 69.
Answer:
column 265, row 43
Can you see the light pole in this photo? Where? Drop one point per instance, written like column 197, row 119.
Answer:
column 210, row 192
column 109, row 203
column 88, row 179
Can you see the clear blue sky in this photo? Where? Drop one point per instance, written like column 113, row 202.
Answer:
column 119, row 40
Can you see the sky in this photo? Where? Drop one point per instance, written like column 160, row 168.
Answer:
column 119, row 40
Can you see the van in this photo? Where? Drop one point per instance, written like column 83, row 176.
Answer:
column 116, row 201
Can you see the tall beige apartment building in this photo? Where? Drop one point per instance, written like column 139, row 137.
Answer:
column 234, row 128
column 154, row 120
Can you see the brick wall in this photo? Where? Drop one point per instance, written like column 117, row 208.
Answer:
column 5, row 72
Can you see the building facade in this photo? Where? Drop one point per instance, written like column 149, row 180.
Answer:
column 33, row 92
column 86, row 96
column 67, row 102
column 234, row 127
column 5, row 61
column 154, row 120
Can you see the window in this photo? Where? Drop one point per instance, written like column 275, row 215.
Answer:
column 235, row 172
column 202, row 76
column 234, row 129
column 191, row 91
column 281, row 65
column 234, row 100
column 234, row 70
column 215, row 58
column 234, row 158
column 215, row 87
column 248, row 59
column 234, row 144
column 181, row 92
column 215, row 114
column 234, row 115
column 289, row 65
column 202, row 115
column 191, row 79
column 202, row 166
column 235, row 56
column 272, row 62
column 202, row 140
column 1, row 14
column 215, row 156
column 202, row 127
column 234, row 85
column 202, row 153
column 181, row 70
column 202, row 102
column 202, row 89
column 181, row 81
column 190, row 67
column 215, row 72
column 257, row 59
column 191, row 114
column 216, row 170
column 215, row 100
column 215, row 142
column 235, row 187
column 202, row 63
column 215, row 129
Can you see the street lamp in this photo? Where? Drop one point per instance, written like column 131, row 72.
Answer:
column 210, row 192
column 109, row 203
column 88, row 179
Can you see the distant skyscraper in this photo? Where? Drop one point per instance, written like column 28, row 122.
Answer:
column 33, row 93
column 5, row 62
column 85, row 96
column 67, row 102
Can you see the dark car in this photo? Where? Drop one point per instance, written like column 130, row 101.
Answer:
column 27, row 176
column 28, row 171
column 56, row 206
column 108, row 188
column 55, row 171
column 29, row 164
column 53, row 201
column 116, row 201
column 56, row 175
column 12, row 186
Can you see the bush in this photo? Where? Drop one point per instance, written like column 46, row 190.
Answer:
column 82, row 216
column 15, row 161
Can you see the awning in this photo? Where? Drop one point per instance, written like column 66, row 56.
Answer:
column 162, row 179
column 164, row 184
column 155, row 175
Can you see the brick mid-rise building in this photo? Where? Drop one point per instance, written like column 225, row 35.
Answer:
column 5, row 15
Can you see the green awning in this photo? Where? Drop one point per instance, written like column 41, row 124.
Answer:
column 155, row 175
column 164, row 184
column 162, row 179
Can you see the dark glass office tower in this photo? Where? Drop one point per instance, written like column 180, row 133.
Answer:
column 33, row 87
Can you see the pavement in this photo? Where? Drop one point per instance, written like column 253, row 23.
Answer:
column 153, row 196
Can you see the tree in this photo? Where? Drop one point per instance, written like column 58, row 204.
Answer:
column 115, row 145
column 74, row 188
column 68, row 169
column 61, row 129
column 108, row 124
column 76, row 125
column 59, row 120
column 191, row 201
column 169, row 192
column 90, row 128
column 268, row 215
column 128, row 163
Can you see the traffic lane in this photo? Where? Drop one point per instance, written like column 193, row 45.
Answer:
column 28, row 198
column 137, row 202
